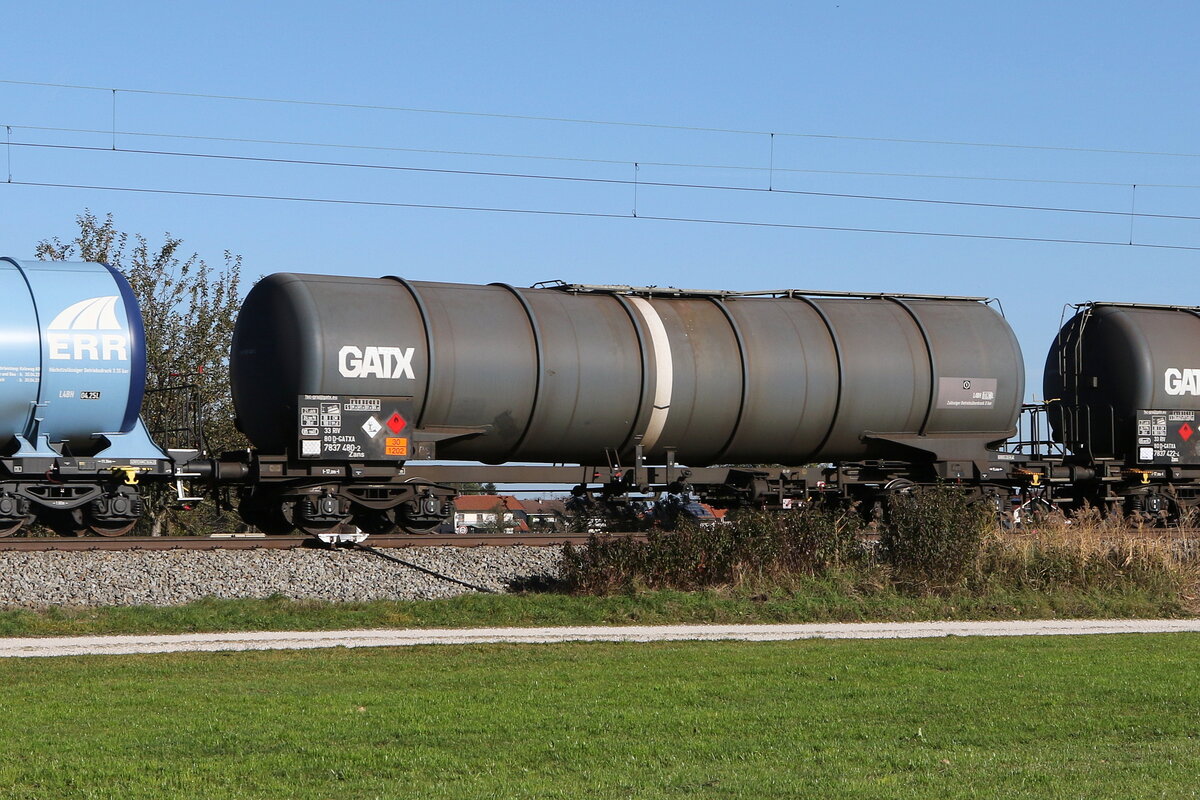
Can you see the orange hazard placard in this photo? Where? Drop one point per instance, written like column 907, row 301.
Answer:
column 395, row 447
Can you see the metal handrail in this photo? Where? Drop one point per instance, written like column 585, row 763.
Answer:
column 671, row 291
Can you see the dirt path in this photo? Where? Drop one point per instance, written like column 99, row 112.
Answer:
column 115, row 645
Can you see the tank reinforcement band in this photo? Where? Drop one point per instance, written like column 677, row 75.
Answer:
column 664, row 371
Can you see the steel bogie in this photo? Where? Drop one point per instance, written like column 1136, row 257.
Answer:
column 279, row 509
column 115, row 512
column 104, row 505
column 427, row 508
column 267, row 510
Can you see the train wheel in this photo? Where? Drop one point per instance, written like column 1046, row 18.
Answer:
column 1152, row 510
column 316, row 529
column 318, row 513
column 421, row 528
column 425, row 511
column 14, row 513
column 110, row 528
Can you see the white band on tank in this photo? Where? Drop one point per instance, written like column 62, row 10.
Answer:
column 664, row 371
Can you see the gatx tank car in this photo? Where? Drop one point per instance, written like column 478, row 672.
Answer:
column 1123, row 389
column 367, row 399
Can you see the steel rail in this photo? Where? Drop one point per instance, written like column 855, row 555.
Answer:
column 234, row 542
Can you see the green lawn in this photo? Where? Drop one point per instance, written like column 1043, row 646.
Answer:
column 814, row 601
column 1112, row 716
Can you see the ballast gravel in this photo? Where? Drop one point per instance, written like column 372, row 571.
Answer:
column 174, row 577
column 294, row 640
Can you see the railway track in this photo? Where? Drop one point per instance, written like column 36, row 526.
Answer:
column 262, row 542
column 259, row 542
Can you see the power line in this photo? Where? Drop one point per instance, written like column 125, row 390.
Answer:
column 636, row 183
column 616, row 123
column 600, row 215
column 618, row 162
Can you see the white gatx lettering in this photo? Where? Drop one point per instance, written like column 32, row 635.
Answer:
column 371, row 361
column 1178, row 382
column 349, row 361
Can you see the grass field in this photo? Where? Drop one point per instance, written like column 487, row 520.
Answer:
column 812, row 600
column 1036, row 717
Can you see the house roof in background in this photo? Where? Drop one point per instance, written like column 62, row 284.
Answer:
column 544, row 507
column 479, row 502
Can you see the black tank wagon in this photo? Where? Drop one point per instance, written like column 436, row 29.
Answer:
column 350, row 387
column 1122, row 388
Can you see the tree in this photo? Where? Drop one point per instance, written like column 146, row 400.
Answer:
column 189, row 309
column 475, row 488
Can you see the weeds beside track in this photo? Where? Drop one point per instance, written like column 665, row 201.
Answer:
column 937, row 542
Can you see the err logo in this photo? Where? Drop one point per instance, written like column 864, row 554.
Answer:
column 88, row 330
column 371, row 361
column 1181, row 381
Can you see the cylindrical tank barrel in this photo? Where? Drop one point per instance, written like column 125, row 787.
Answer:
column 1111, row 361
column 571, row 375
column 72, row 363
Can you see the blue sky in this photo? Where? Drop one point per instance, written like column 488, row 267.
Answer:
column 1080, row 77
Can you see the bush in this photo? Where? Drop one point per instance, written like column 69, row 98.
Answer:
column 752, row 546
column 934, row 536
column 936, row 540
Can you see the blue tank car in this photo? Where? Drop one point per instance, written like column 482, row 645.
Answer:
column 72, row 374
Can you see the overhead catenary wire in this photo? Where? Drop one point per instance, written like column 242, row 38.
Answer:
column 635, row 182
column 603, row 215
column 585, row 121
column 584, row 160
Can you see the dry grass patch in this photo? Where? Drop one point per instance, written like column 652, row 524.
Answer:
column 1090, row 552
column 937, row 542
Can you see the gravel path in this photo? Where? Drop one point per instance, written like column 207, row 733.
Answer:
column 116, row 645
column 173, row 577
